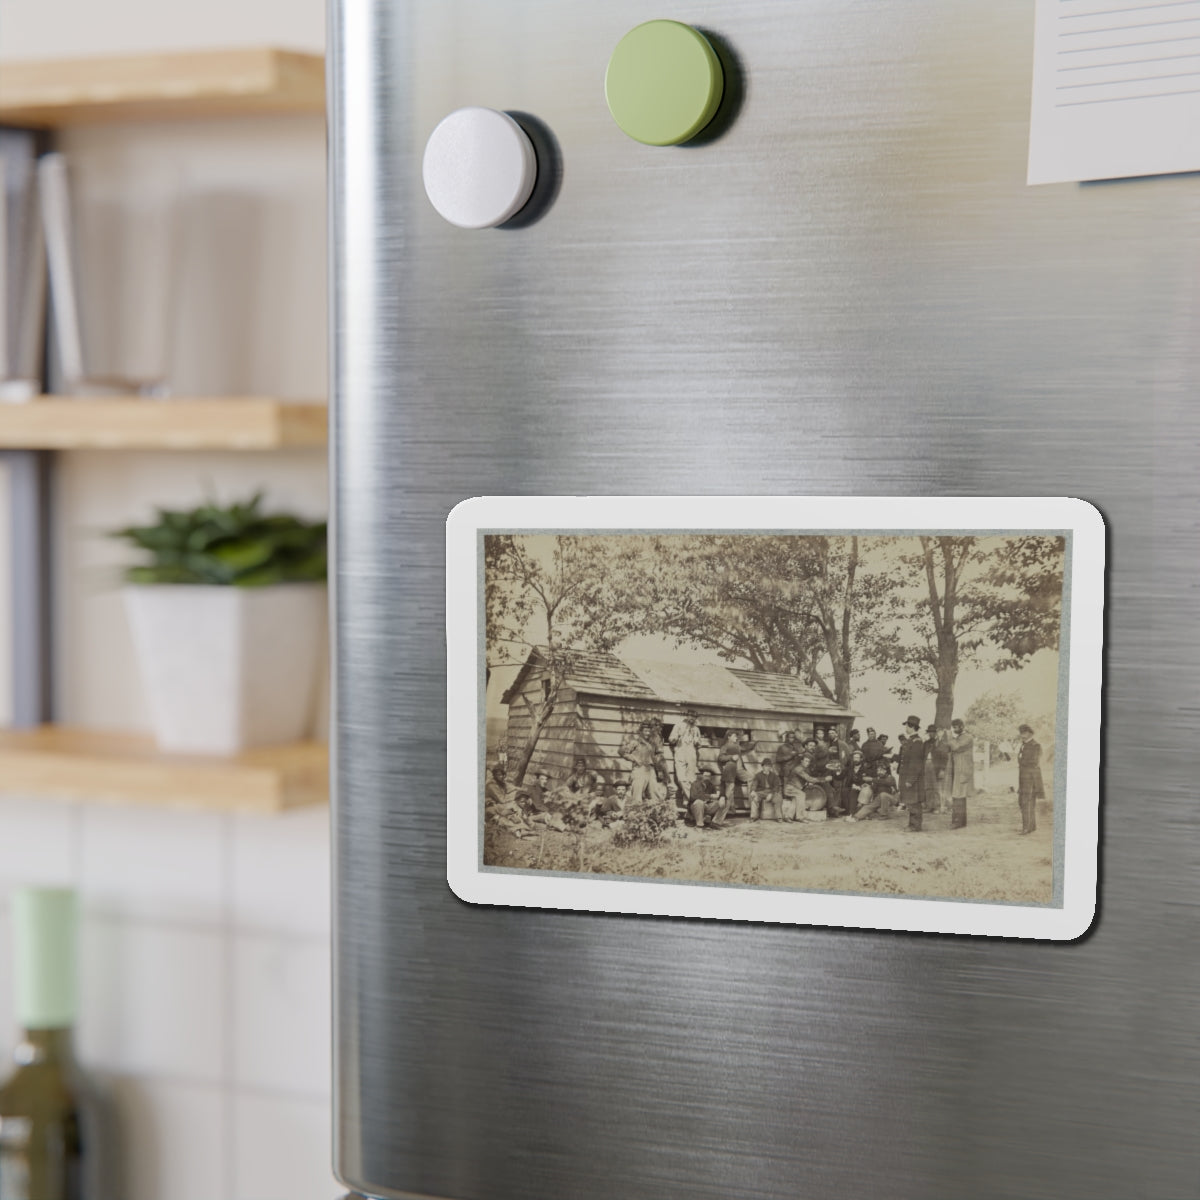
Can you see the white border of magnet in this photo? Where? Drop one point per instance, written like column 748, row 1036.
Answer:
column 476, row 884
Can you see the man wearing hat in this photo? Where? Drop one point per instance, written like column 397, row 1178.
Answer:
column 641, row 750
column 1030, row 788
column 937, row 760
column 872, row 748
column 685, row 742
column 912, row 774
column 962, row 772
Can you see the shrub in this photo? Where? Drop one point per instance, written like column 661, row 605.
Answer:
column 237, row 546
column 644, row 825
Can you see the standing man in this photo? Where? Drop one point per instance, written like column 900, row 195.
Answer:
column 912, row 774
column 1029, row 779
column 747, row 766
column 872, row 747
column 641, row 751
column 729, row 759
column 937, row 760
column 786, row 755
column 685, row 742
column 962, row 772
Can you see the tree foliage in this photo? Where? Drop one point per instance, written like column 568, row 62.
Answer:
column 787, row 603
column 994, row 717
column 969, row 598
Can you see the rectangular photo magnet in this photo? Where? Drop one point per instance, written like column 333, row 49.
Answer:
column 876, row 713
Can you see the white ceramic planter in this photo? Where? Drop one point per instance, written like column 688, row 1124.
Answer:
column 227, row 668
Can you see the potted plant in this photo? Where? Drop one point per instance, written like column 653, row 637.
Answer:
column 228, row 622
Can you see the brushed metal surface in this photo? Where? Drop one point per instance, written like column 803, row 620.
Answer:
column 851, row 291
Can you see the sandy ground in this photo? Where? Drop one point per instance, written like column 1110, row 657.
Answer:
column 987, row 860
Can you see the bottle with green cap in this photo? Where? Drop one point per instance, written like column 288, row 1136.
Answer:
column 44, row 1151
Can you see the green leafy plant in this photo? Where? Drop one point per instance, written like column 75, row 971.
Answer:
column 236, row 546
column 644, row 825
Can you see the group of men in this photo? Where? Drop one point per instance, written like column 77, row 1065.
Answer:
column 826, row 775
column 822, row 776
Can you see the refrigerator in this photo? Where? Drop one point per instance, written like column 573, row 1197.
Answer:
column 842, row 286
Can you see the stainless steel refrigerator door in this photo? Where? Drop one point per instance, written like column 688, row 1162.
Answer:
column 851, row 291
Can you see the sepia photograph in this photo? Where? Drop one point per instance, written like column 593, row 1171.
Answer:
column 860, row 712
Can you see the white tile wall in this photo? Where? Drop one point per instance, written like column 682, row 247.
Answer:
column 156, row 1000
column 171, row 1142
column 154, row 864
column 205, row 978
column 292, row 894
column 282, row 1150
column 38, row 843
column 281, row 1015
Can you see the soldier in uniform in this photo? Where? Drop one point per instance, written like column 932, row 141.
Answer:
column 641, row 749
column 912, row 774
column 685, row 742
column 1030, row 788
column 962, row 772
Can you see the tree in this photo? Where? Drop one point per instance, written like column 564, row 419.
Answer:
column 559, row 595
column 782, row 602
column 966, row 598
column 993, row 718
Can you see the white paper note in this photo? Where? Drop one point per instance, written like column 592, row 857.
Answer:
column 1116, row 89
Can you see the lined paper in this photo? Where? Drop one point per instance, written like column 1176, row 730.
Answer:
column 1116, row 89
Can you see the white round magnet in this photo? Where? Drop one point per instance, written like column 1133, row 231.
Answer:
column 479, row 168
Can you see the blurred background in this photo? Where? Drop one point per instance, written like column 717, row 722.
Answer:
column 205, row 933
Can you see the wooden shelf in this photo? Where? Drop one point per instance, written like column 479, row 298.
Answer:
column 228, row 423
column 215, row 83
column 78, row 764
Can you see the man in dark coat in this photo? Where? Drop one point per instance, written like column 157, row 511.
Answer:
column 708, row 802
column 763, row 793
column 1030, row 788
column 729, row 759
column 912, row 774
column 872, row 748
column 786, row 755
column 937, row 763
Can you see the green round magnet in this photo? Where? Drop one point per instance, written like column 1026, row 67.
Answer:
column 664, row 83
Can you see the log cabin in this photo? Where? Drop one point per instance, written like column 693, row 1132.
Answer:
column 606, row 697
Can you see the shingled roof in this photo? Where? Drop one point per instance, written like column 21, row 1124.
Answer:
column 712, row 685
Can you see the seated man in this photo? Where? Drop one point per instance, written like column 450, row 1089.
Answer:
column 611, row 804
column 534, row 795
column 581, row 779
column 494, row 793
column 708, row 802
column 764, row 792
column 877, row 799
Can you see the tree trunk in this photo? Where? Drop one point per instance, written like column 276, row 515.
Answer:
column 539, row 716
column 947, row 676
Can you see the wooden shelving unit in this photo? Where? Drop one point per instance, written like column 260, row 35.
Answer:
column 227, row 423
column 86, row 765
column 151, row 87
column 80, row 764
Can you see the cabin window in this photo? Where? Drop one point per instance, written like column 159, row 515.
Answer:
column 546, row 689
column 665, row 731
